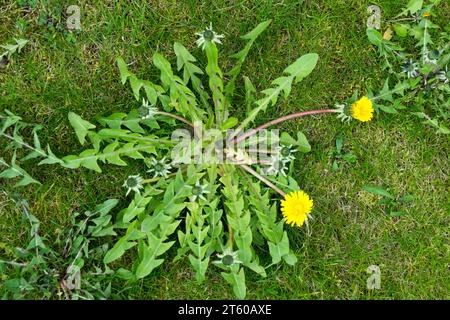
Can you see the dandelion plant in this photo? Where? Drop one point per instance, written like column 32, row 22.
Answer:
column 416, row 51
column 218, row 187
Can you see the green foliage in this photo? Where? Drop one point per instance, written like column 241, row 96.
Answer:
column 417, row 58
column 80, row 126
column 12, row 48
column 242, row 55
column 57, row 76
column 13, row 131
column 338, row 155
column 301, row 142
column 391, row 203
column 236, row 278
column 27, row 3
column 296, row 72
column 217, row 213
column 221, row 215
column 68, row 267
column 186, row 62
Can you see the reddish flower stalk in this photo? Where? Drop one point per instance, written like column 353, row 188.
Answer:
column 279, row 120
column 166, row 114
column 263, row 179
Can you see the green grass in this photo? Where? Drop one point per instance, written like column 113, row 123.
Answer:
column 54, row 75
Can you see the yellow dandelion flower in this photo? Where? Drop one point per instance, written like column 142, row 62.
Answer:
column 295, row 207
column 362, row 109
column 426, row 14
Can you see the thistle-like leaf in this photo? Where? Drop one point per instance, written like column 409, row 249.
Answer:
column 242, row 55
column 81, row 126
column 297, row 71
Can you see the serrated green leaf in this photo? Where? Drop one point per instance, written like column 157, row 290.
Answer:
column 89, row 160
column 81, row 126
column 237, row 281
column 149, row 262
column 253, row 34
column 124, row 243
column 229, row 123
column 136, row 86
column 302, row 143
column 414, row 5
column 387, row 109
column 26, row 180
column 10, row 173
column 242, row 55
column 51, row 158
column 286, row 139
column 113, row 158
column 290, row 259
column 164, row 66
column 106, row 206
column 374, row 36
column 378, row 191
column 401, row 29
column 124, row 73
column 125, row 274
column 303, row 66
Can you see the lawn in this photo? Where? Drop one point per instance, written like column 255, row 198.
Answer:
column 59, row 72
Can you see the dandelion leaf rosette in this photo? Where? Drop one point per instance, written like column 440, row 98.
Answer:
column 200, row 192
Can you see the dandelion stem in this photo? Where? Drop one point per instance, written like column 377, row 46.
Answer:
column 281, row 119
column 424, row 48
column 401, row 19
column 262, row 151
column 25, row 145
column 230, row 232
column 167, row 114
column 263, row 179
